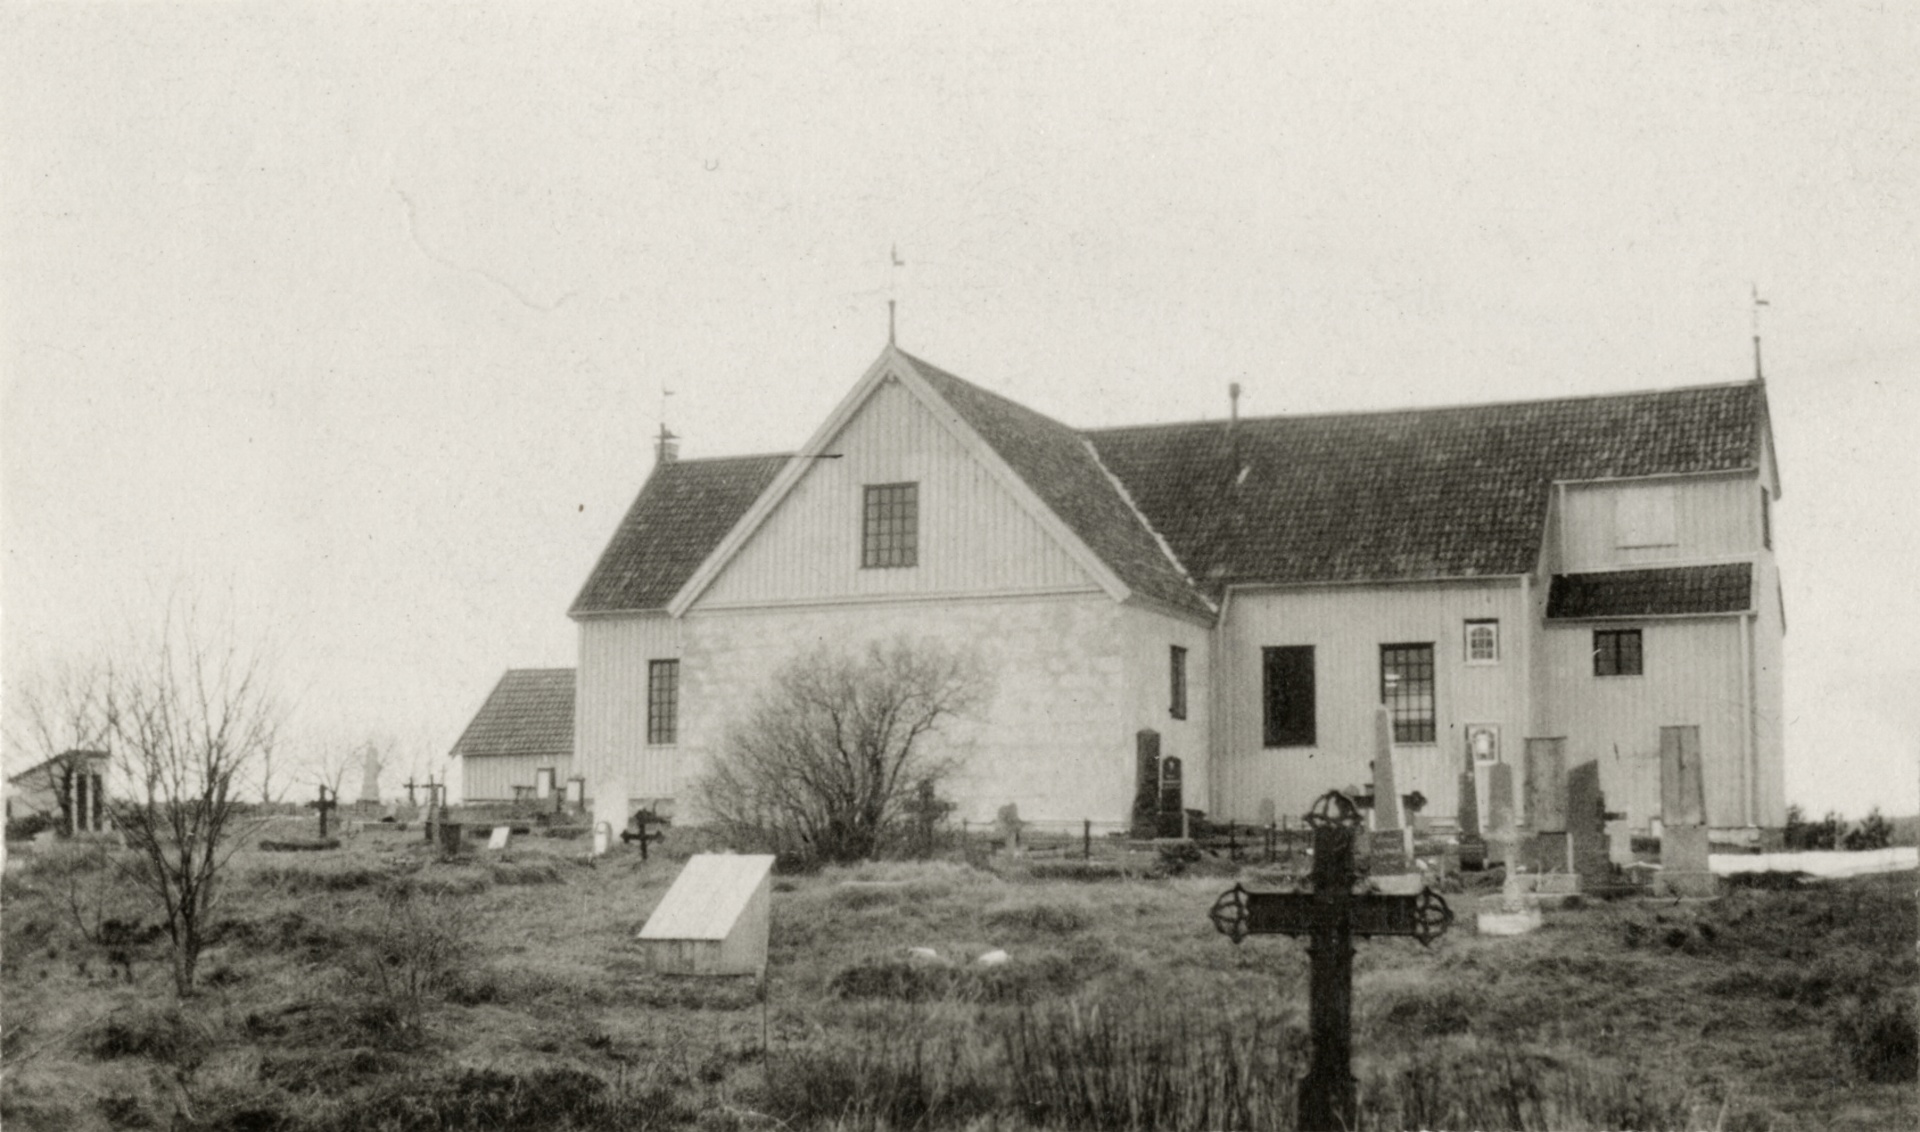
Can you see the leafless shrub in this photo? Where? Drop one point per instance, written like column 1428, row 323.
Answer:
column 824, row 767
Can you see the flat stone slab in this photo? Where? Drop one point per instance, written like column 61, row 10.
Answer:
column 1399, row 884
column 1506, row 923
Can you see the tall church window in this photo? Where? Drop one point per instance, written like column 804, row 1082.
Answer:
column 1406, row 687
column 663, row 702
column 890, row 525
column 1177, row 675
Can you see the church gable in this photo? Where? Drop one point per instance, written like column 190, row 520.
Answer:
column 895, row 504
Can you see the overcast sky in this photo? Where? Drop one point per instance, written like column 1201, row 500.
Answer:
column 362, row 315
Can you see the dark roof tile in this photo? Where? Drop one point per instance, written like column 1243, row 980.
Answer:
column 529, row 712
column 1664, row 592
column 685, row 509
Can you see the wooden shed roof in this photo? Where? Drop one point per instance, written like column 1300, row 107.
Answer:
column 1668, row 591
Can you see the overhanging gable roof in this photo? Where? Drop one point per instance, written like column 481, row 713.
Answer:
column 1671, row 591
column 529, row 712
column 1419, row 493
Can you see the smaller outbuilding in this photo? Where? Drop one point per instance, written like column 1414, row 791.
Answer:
column 520, row 743
column 69, row 790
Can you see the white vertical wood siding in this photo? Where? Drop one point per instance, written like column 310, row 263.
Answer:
column 610, row 708
column 1346, row 625
column 1769, row 697
column 1713, row 517
column 1692, row 675
column 973, row 536
column 492, row 779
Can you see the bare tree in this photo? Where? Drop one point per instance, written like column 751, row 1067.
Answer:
column 824, row 766
column 188, row 712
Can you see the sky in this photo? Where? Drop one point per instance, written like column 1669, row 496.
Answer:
column 360, row 318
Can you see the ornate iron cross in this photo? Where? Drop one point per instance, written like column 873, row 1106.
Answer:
column 1330, row 915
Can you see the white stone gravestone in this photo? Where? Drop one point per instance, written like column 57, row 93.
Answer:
column 715, row 918
column 499, row 838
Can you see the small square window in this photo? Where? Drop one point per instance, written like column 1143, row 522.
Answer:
column 1483, row 641
column 1616, row 652
column 890, row 525
column 1177, row 673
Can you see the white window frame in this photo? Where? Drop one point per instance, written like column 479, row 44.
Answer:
column 1491, row 624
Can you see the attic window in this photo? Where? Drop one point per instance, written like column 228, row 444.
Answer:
column 890, row 526
column 1483, row 642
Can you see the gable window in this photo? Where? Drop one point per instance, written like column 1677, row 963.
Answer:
column 1616, row 652
column 1483, row 641
column 1177, row 675
column 663, row 702
column 890, row 525
column 1643, row 516
column 1288, row 695
column 1406, row 687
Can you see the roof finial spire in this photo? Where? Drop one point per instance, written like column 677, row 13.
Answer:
column 1758, row 302
column 893, row 288
column 666, row 447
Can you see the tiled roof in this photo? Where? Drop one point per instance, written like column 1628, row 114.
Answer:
column 685, row 509
column 529, row 712
column 1668, row 591
column 1410, row 494
column 1420, row 493
column 1056, row 462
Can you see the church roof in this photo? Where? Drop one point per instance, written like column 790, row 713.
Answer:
column 1669, row 591
column 685, row 509
column 1177, row 512
column 1456, row 492
column 529, row 712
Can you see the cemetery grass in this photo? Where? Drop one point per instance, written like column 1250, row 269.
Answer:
column 380, row 987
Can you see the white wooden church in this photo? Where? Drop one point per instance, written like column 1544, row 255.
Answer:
column 1251, row 590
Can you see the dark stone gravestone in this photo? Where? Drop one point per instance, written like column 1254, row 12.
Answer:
column 1501, row 834
column 1545, row 850
column 1146, row 794
column 1473, row 847
column 1172, row 814
column 1587, row 827
column 1330, row 914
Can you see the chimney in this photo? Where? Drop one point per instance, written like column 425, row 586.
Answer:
column 1233, row 399
column 666, row 448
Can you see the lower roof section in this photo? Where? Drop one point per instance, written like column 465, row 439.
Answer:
column 1667, row 591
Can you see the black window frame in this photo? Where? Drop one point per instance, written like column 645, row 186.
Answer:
column 1289, row 721
column 1610, row 658
column 663, row 702
column 890, row 526
column 1177, row 679
column 1415, row 712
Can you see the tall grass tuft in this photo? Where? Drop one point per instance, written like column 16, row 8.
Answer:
column 1484, row 1085
column 1121, row 1064
column 931, row 1077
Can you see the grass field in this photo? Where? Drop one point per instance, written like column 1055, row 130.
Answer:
column 378, row 987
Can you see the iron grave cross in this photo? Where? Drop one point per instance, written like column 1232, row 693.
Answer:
column 1330, row 916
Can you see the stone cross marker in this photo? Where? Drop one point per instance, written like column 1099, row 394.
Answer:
column 325, row 805
column 1330, row 916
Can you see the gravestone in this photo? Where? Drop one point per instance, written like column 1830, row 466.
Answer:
column 577, row 793
column 1330, row 915
column 325, row 804
column 1516, row 911
column 714, row 919
column 1393, row 841
column 1473, row 847
column 1008, row 825
column 498, row 839
column 1587, row 827
column 1546, row 848
column 1173, row 817
column 1684, row 869
column 370, row 764
column 1267, row 813
column 1501, row 834
column 1146, row 794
